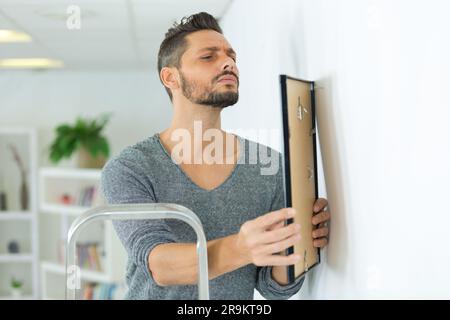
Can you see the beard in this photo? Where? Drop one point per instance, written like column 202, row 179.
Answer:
column 208, row 97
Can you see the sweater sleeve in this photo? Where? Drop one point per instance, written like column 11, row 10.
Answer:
column 123, row 183
column 268, row 287
column 272, row 290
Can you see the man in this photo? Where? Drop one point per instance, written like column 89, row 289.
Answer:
column 241, row 209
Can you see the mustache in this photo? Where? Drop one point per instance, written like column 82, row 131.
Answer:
column 231, row 73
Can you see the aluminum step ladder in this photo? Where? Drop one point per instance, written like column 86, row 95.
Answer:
column 132, row 212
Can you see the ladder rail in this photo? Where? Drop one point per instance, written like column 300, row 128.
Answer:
column 132, row 212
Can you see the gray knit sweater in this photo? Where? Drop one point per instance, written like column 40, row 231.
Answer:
column 146, row 173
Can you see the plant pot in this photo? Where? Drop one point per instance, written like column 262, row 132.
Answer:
column 16, row 293
column 87, row 161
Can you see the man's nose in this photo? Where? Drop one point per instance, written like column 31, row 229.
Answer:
column 230, row 65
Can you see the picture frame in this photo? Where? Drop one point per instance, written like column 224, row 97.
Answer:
column 300, row 167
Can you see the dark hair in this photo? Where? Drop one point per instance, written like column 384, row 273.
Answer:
column 174, row 43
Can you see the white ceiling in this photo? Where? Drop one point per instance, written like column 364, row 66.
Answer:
column 114, row 34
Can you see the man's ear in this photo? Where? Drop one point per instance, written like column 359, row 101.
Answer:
column 170, row 78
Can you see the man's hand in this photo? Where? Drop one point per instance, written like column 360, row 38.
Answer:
column 259, row 240
column 320, row 219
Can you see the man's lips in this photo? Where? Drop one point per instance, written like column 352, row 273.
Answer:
column 227, row 79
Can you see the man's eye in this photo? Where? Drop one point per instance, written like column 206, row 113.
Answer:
column 207, row 57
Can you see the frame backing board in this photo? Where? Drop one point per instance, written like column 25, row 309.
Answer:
column 300, row 167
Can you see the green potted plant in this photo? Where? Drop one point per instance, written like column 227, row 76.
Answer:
column 85, row 137
column 16, row 288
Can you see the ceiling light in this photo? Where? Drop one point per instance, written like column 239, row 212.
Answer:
column 56, row 14
column 30, row 63
column 13, row 36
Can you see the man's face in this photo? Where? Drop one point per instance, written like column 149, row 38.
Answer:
column 208, row 73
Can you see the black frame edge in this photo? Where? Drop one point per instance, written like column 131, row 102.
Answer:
column 286, row 167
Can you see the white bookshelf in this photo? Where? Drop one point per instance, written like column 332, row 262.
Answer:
column 16, row 258
column 26, row 297
column 56, row 220
column 16, row 224
column 15, row 215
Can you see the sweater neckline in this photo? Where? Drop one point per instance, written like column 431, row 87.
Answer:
column 188, row 178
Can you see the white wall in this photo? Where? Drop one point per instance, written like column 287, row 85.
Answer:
column 44, row 100
column 383, row 115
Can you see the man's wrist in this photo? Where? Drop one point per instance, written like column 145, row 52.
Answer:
column 224, row 256
column 279, row 274
column 240, row 256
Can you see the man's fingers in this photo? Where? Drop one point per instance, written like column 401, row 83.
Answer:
column 279, row 234
column 281, row 245
column 318, row 233
column 320, row 204
column 276, row 226
column 280, row 260
column 321, row 217
column 273, row 217
column 320, row 243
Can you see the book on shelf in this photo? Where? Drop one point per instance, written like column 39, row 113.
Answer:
column 89, row 256
column 103, row 291
column 86, row 196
